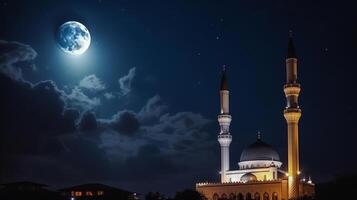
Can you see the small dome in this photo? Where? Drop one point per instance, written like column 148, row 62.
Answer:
column 248, row 177
column 259, row 150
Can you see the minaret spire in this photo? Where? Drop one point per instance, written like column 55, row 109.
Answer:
column 292, row 114
column 224, row 81
column 291, row 48
column 224, row 120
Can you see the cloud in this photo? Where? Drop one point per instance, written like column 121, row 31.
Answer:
column 12, row 54
column 126, row 81
column 152, row 109
column 49, row 127
column 125, row 122
column 92, row 83
column 109, row 95
column 77, row 99
column 88, row 122
column 33, row 115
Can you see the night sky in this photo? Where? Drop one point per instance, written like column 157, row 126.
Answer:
column 138, row 109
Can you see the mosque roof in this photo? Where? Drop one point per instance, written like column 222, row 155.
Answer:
column 259, row 150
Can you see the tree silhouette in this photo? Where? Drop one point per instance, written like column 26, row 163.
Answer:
column 189, row 195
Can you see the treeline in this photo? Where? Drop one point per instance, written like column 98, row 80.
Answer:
column 183, row 195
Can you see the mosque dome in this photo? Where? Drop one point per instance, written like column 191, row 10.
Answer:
column 248, row 177
column 259, row 150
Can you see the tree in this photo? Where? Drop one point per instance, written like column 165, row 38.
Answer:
column 189, row 195
column 154, row 196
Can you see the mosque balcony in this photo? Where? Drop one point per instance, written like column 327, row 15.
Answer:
column 292, row 89
column 292, row 85
column 224, row 136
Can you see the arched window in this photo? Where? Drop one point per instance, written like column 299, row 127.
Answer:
column 248, row 196
column 224, row 196
column 275, row 196
column 266, row 196
column 232, row 197
column 256, row 196
column 215, row 196
column 240, row 196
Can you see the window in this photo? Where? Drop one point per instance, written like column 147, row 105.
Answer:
column 275, row 196
column 224, row 196
column 88, row 193
column 256, row 196
column 215, row 196
column 265, row 177
column 77, row 194
column 266, row 196
column 232, row 196
column 274, row 175
column 240, row 196
column 248, row 196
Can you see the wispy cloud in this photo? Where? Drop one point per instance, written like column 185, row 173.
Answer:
column 77, row 99
column 109, row 95
column 12, row 53
column 126, row 81
column 92, row 82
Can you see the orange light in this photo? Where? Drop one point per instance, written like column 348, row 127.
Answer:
column 77, row 194
column 88, row 193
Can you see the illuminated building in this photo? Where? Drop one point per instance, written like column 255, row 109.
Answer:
column 97, row 191
column 259, row 175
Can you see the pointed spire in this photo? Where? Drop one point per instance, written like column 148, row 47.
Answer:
column 224, row 82
column 291, row 48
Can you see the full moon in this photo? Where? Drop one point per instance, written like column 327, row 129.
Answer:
column 73, row 38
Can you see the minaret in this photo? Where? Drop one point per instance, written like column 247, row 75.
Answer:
column 292, row 114
column 224, row 119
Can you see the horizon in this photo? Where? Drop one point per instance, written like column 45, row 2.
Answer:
column 134, row 103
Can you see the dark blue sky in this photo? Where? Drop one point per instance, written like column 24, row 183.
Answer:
column 146, row 119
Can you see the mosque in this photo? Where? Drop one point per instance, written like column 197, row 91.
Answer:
column 260, row 176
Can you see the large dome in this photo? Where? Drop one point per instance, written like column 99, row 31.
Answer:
column 259, row 150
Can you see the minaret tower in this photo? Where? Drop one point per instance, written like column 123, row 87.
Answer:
column 292, row 114
column 224, row 119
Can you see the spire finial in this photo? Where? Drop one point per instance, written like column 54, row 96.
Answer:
column 259, row 137
column 291, row 33
column 291, row 49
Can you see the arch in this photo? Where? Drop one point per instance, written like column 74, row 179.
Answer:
column 232, row 196
column 275, row 196
column 256, row 196
column 248, row 196
column 240, row 196
column 224, row 196
column 266, row 196
column 215, row 196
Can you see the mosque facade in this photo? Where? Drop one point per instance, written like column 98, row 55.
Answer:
column 259, row 175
